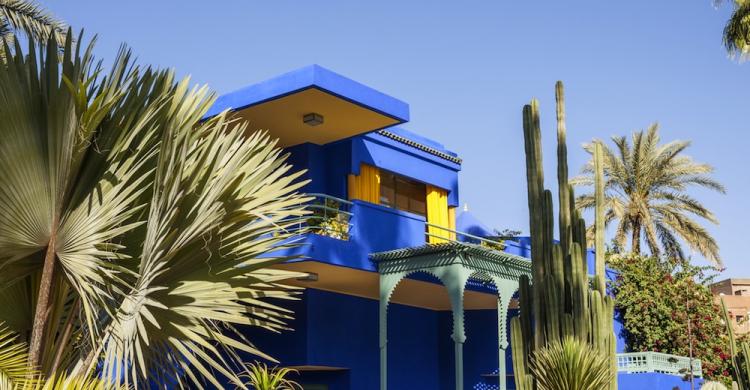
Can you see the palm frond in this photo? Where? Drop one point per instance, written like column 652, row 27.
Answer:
column 164, row 225
column 222, row 200
column 14, row 369
column 737, row 31
column 646, row 184
column 30, row 18
column 262, row 377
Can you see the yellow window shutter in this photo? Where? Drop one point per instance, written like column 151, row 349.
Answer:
column 439, row 216
column 366, row 186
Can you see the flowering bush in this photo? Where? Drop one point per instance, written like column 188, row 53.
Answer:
column 656, row 299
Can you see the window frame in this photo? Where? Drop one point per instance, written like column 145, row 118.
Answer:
column 413, row 185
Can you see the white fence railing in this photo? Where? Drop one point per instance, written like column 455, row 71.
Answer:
column 637, row 362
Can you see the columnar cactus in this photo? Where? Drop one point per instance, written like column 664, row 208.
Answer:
column 560, row 303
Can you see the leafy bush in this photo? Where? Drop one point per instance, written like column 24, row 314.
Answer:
column 262, row 377
column 570, row 364
column 656, row 299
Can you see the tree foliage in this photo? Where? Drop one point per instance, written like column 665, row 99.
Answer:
column 646, row 195
column 736, row 35
column 30, row 19
column 657, row 299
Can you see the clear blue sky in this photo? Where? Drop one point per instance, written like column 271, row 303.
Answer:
column 467, row 67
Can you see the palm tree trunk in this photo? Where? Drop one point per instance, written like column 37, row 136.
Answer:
column 636, row 240
column 41, row 313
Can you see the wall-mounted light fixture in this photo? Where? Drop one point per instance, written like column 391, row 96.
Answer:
column 310, row 277
column 313, row 119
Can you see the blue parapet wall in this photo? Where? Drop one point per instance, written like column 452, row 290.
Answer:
column 653, row 380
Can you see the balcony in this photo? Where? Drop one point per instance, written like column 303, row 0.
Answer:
column 363, row 228
column 656, row 362
column 329, row 217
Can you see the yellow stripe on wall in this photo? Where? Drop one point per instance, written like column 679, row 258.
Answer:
column 440, row 216
column 365, row 186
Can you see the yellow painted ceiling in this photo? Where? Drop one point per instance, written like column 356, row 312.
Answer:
column 282, row 117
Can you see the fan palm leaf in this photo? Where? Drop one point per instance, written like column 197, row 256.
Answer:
column 140, row 234
column 14, row 372
column 645, row 196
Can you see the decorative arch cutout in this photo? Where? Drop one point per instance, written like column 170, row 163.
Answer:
column 453, row 263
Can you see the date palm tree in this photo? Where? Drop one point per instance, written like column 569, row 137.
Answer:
column 135, row 236
column 645, row 195
column 30, row 19
column 737, row 30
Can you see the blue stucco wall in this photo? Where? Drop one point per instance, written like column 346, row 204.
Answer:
column 655, row 381
column 328, row 165
column 342, row 331
column 375, row 228
column 339, row 330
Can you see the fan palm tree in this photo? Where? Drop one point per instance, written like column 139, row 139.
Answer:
column 134, row 235
column 29, row 18
column 645, row 195
column 15, row 373
column 737, row 30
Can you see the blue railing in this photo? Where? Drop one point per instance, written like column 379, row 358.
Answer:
column 436, row 233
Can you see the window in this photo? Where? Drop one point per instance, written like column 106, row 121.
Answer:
column 402, row 193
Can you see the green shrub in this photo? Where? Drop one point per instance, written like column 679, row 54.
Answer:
column 569, row 365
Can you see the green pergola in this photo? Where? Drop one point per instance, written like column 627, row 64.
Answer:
column 454, row 263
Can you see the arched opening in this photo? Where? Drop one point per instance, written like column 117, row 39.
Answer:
column 481, row 328
column 420, row 350
column 484, row 308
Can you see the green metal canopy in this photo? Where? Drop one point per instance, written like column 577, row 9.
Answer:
column 454, row 263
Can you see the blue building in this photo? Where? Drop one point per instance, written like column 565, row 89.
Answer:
column 378, row 188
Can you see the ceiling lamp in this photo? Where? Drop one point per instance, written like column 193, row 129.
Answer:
column 313, row 119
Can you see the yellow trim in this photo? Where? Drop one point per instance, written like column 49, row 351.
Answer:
column 452, row 221
column 439, row 215
column 365, row 186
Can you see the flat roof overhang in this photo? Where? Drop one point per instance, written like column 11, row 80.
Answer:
column 278, row 105
column 365, row 284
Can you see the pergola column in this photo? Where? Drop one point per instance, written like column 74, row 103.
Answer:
column 387, row 285
column 505, row 291
column 454, row 277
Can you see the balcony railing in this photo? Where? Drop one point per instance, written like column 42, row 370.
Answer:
column 329, row 216
column 638, row 362
column 437, row 234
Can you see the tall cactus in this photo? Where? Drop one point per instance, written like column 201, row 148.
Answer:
column 560, row 303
